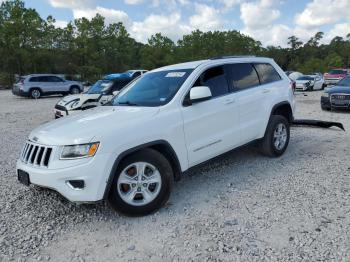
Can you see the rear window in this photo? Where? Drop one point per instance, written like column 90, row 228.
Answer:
column 267, row 73
column 243, row 76
column 337, row 72
column 20, row 79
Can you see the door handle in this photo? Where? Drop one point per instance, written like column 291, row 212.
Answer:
column 229, row 101
column 265, row 90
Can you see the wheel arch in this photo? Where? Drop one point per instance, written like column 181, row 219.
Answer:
column 35, row 87
column 284, row 109
column 161, row 146
column 73, row 86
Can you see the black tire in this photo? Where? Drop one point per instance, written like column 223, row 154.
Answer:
column 35, row 93
column 74, row 90
column 156, row 159
column 267, row 145
column 325, row 108
column 310, row 88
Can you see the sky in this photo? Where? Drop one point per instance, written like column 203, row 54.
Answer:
column 269, row 21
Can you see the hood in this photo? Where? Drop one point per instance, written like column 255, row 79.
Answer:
column 338, row 89
column 91, row 124
column 81, row 97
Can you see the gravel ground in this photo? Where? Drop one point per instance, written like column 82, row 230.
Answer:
column 241, row 207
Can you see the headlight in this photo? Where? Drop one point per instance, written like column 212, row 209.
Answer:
column 325, row 95
column 79, row 151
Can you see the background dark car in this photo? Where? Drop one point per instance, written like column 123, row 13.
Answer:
column 337, row 97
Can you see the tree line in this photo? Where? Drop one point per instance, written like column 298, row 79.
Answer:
column 91, row 48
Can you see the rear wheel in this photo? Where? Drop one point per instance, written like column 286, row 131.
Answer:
column 276, row 137
column 142, row 183
column 35, row 93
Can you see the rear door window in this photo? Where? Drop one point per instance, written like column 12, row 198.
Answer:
column 54, row 79
column 243, row 76
column 214, row 78
column 267, row 73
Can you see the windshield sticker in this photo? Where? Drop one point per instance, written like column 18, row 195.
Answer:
column 175, row 74
column 162, row 99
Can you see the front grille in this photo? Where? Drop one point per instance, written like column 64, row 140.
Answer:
column 340, row 100
column 341, row 97
column 36, row 155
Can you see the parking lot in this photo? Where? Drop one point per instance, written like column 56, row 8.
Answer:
column 243, row 206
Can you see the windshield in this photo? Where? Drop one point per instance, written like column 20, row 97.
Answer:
column 305, row 78
column 344, row 82
column 337, row 72
column 101, row 86
column 153, row 89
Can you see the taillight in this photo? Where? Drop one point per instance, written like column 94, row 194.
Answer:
column 293, row 86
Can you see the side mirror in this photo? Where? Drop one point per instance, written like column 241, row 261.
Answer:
column 200, row 93
column 115, row 93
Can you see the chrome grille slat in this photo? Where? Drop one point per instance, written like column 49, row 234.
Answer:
column 29, row 153
column 36, row 154
column 43, row 156
column 24, row 150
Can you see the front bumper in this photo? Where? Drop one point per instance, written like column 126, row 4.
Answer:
column 331, row 81
column 301, row 87
column 94, row 172
column 61, row 111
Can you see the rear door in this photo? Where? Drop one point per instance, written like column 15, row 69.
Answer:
column 256, row 98
column 57, row 84
column 211, row 126
column 250, row 99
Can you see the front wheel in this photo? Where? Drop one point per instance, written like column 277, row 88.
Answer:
column 276, row 137
column 74, row 90
column 142, row 183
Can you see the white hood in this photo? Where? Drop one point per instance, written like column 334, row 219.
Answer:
column 91, row 124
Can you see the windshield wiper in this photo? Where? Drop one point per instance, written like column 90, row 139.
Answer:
column 128, row 103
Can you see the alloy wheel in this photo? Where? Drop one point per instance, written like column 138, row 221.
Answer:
column 280, row 136
column 139, row 183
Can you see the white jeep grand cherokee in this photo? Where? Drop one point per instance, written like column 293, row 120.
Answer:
column 160, row 125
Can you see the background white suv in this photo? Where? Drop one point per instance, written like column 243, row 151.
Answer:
column 37, row 85
column 165, row 122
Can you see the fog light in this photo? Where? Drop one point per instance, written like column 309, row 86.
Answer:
column 76, row 184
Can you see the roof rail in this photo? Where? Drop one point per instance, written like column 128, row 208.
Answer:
column 231, row 56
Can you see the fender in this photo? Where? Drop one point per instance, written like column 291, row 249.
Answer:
column 174, row 161
column 290, row 117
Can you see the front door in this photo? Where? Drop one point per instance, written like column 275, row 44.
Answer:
column 211, row 127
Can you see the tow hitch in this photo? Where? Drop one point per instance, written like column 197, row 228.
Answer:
column 317, row 123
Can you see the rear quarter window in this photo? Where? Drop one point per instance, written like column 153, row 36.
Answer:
column 267, row 73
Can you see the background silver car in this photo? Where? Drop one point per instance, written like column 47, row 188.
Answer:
column 37, row 85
